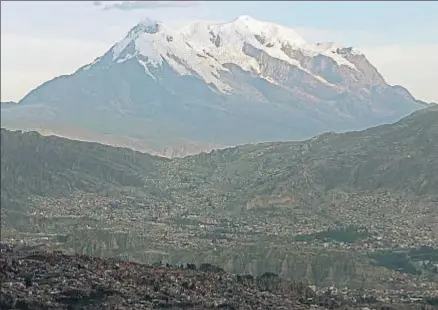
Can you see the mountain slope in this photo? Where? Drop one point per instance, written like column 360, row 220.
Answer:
column 240, row 208
column 214, row 84
column 35, row 164
column 401, row 158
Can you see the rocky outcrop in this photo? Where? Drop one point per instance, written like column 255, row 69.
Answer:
column 51, row 280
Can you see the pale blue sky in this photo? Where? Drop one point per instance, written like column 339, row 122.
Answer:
column 388, row 22
column 41, row 40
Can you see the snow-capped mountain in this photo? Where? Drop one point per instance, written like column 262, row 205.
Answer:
column 212, row 84
column 204, row 50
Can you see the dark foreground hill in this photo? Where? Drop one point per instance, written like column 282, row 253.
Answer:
column 43, row 280
column 55, row 281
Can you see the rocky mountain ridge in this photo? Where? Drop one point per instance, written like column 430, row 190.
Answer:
column 223, row 84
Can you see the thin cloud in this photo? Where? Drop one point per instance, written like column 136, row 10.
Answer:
column 145, row 5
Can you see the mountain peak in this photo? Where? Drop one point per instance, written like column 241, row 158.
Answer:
column 256, row 77
column 146, row 25
column 150, row 26
column 206, row 49
column 247, row 25
column 143, row 38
